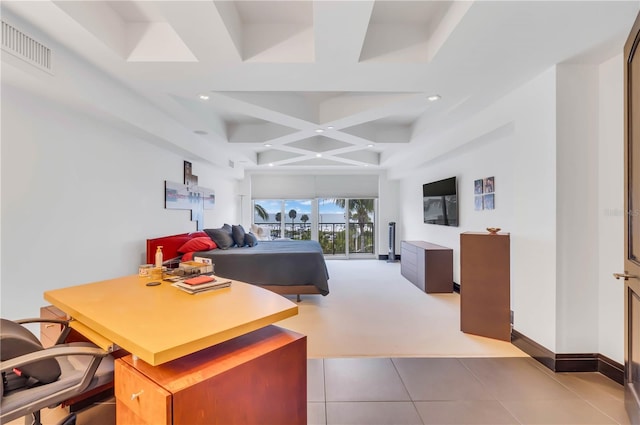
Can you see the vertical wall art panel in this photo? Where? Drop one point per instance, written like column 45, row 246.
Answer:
column 484, row 193
column 189, row 196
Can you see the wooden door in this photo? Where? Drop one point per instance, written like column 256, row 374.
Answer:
column 631, row 273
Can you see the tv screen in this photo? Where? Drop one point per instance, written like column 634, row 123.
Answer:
column 440, row 202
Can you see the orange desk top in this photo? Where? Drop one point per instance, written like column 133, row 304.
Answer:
column 163, row 323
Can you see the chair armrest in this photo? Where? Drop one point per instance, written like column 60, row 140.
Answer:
column 65, row 326
column 55, row 351
column 41, row 320
column 63, row 350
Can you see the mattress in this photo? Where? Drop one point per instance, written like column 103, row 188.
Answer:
column 277, row 262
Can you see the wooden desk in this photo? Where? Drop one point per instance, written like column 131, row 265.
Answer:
column 161, row 323
column 190, row 353
column 257, row 378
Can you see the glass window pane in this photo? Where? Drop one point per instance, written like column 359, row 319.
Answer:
column 361, row 230
column 267, row 213
column 297, row 220
column 331, row 226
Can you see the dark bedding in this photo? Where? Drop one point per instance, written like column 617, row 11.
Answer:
column 279, row 262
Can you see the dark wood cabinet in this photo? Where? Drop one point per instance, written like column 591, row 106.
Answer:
column 485, row 285
column 428, row 266
column 256, row 378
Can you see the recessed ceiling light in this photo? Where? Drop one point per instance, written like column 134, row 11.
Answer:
column 433, row 98
column 318, row 155
column 204, row 97
column 268, row 145
column 271, row 164
column 200, row 132
column 370, row 145
column 330, row 127
column 319, row 130
column 366, row 165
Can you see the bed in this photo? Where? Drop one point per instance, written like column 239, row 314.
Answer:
column 287, row 267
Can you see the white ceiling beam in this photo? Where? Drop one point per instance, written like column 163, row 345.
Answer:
column 356, row 108
column 99, row 19
column 446, row 26
column 256, row 132
column 238, row 106
column 340, row 29
column 278, row 43
column 381, row 132
column 295, row 104
column 230, row 18
column 156, row 42
column 209, row 29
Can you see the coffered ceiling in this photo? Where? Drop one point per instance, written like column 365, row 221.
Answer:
column 319, row 85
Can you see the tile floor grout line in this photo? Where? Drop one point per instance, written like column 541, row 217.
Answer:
column 324, row 390
column 477, row 378
column 553, row 375
column 601, row 411
column 413, row 402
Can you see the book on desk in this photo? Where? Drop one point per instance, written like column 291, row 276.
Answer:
column 206, row 285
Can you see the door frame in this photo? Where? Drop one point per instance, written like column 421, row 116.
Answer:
column 631, row 265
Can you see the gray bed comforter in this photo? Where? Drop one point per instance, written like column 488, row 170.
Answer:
column 279, row 262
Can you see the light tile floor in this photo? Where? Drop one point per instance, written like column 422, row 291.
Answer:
column 370, row 391
column 457, row 391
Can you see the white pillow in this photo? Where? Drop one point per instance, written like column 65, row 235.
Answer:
column 262, row 233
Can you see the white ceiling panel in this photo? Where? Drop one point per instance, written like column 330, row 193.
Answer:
column 271, row 85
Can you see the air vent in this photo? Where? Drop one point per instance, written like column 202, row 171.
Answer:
column 231, row 164
column 21, row 45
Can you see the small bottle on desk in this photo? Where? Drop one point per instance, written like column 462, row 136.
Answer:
column 159, row 257
column 158, row 269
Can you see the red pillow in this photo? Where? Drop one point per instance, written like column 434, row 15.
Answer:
column 203, row 243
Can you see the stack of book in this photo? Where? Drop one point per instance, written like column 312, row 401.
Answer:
column 195, row 285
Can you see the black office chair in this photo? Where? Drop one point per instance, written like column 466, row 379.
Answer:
column 34, row 377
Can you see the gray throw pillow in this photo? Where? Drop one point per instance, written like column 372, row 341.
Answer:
column 221, row 237
column 237, row 232
column 250, row 239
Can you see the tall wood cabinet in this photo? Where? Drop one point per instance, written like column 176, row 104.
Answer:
column 427, row 265
column 485, row 285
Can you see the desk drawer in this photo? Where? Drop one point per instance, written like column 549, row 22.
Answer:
column 145, row 401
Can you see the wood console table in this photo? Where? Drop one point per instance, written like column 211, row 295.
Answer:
column 217, row 345
column 428, row 266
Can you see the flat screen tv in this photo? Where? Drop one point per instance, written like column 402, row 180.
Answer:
column 440, row 202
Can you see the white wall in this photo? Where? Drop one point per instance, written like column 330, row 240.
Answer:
column 513, row 140
column 388, row 195
column 590, row 203
column 609, row 210
column 80, row 197
column 576, row 192
column 555, row 146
